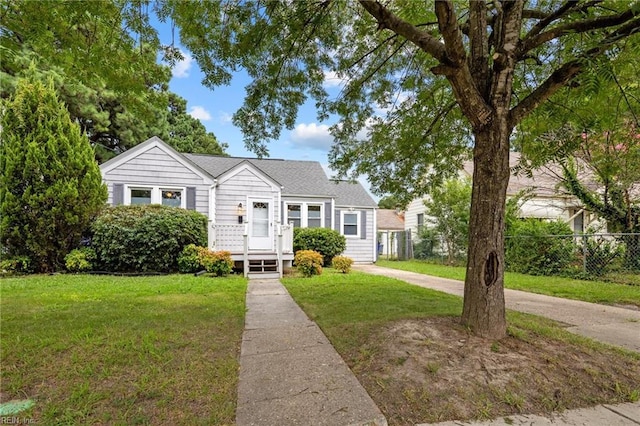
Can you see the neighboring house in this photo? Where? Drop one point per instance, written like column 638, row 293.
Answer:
column 252, row 204
column 546, row 201
column 390, row 222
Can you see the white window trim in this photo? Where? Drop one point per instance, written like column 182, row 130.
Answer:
column 304, row 212
column 358, row 223
column 156, row 193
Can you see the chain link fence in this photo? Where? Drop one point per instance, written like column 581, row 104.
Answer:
column 395, row 245
column 605, row 257
column 609, row 257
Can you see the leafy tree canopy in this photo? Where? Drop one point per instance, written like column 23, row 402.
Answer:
column 390, row 202
column 102, row 57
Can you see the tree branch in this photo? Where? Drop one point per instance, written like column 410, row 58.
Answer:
column 546, row 20
column 529, row 43
column 560, row 77
column 452, row 58
column 387, row 19
column 479, row 58
column 451, row 33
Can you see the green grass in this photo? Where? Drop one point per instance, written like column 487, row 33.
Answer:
column 122, row 350
column 588, row 291
column 349, row 306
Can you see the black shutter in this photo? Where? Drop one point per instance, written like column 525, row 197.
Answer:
column 118, row 194
column 327, row 215
column 337, row 222
column 191, row 198
column 363, row 225
column 282, row 218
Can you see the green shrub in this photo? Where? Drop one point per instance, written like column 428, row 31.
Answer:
column 308, row 262
column 145, row 238
column 539, row 248
column 601, row 253
column 196, row 258
column 16, row 265
column 342, row 264
column 80, row 260
column 327, row 242
column 189, row 261
column 426, row 247
column 50, row 183
column 218, row 263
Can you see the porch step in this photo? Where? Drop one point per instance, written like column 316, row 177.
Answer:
column 263, row 268
column 263, row 275
column 262, row 256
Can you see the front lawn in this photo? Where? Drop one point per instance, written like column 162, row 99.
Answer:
column 407, row 348
column 588, row 291
column 122, row 350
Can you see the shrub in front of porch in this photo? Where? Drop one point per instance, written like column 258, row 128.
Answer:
column 145, row 238
column 196, row 258
column 308, row 262
column 218, row 263
column 327, row 242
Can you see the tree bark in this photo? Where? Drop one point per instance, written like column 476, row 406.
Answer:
column 483, row 309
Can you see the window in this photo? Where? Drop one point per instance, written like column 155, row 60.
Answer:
column 350, row 221
column 172, row 198
column 260, row 219
column 305, row 215
column 294, row 215
column 420, row 222
column 140, row 195
column 314, row 216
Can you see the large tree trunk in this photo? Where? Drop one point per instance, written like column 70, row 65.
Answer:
column 484, row 310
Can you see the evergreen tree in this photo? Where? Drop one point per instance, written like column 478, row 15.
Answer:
column 51, row 186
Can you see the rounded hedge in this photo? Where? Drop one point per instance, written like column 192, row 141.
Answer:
column 327, row 242
column 145, row 238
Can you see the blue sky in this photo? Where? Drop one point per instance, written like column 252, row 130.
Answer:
column 308, row 140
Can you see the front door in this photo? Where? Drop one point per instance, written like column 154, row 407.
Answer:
column 260, row 220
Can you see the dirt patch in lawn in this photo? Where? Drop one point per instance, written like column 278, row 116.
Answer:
column 433, row 370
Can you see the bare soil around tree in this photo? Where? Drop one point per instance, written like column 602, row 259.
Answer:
column 433, row 369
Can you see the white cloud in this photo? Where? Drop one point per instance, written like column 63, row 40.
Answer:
column 331, row 79
column 225, row 117
column 312, row 136
column 181, row 68
column 200, row 113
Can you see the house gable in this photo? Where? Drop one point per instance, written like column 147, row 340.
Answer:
column 250, row 174
column 147, row 158
column 153, row 168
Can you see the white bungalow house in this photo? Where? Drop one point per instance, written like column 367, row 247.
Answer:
column 252, row 204
column 546, row 202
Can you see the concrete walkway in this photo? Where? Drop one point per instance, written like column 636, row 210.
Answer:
column 609, row 324
column 289, row 372
column 602, row 415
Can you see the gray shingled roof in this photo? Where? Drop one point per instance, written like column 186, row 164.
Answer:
column 351, row 194
column 296, row 177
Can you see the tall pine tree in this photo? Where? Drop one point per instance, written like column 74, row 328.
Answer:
column 51, row 186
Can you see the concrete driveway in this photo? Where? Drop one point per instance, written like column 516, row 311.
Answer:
column 609, row 324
